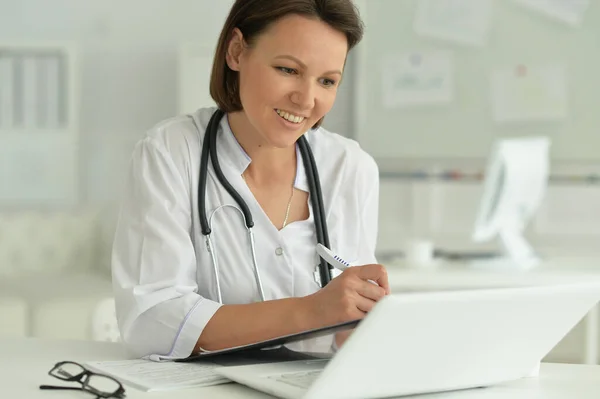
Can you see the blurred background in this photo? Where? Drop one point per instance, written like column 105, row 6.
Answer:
column 428, row 91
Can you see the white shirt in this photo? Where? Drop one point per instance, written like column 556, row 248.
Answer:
column 163, row 277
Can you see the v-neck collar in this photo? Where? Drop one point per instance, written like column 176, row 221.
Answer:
column 239, row 160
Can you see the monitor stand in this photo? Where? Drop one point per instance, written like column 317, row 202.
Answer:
column 518, row 254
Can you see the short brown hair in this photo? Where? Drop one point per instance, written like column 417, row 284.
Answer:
column 253, row 17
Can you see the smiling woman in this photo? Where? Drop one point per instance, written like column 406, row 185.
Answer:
column 276, row 72
column 288, row 79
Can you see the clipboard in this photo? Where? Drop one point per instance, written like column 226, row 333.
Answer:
column 271, row 348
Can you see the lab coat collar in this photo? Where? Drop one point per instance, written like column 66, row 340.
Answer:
column 240, row 159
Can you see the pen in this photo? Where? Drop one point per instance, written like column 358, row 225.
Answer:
column 332, row 258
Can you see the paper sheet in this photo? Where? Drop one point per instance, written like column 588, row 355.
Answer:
column 462, row 21
column 567, row 11
column 147, row 375
column 529, row 93
column 417, row 78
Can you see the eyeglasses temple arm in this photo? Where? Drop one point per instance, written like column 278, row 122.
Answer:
column 58, row 387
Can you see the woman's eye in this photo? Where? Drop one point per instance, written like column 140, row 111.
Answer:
column 328, row 82
column 289, row 71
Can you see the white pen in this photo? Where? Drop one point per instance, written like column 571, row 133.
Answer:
column 332, row 258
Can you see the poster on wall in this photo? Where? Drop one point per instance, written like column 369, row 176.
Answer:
column 460, row 21
column 417, row 78
column 570, row 12
column 39, row 171
column 529, row 93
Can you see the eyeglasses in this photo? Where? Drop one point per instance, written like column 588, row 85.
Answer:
column 100, row 385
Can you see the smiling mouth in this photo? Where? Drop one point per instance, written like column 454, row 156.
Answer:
column 290, row 117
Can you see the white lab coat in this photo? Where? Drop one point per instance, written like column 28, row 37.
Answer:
column 162, row 273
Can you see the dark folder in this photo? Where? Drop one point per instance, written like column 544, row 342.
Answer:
column 271, row 350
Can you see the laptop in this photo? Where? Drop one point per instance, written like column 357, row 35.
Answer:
column 425, row 342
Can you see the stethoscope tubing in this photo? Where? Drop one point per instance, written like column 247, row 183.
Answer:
column 209, row 150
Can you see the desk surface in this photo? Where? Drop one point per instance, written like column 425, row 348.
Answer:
column 24, row 364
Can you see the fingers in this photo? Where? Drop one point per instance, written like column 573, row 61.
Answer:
column 370, row 291
column 356, row 291
column 374, row 272
column 364, row 304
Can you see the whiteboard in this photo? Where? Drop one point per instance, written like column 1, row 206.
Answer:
column 519, row 38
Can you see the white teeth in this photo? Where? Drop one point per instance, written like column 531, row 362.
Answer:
column 290, row 117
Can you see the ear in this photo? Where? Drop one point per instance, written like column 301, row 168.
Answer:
column 235, row 49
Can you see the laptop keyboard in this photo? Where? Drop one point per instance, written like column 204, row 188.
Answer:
column 300, row 379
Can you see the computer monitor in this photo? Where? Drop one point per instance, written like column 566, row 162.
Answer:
column 515, row 184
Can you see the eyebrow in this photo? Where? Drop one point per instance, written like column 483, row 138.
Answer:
column 296, row 60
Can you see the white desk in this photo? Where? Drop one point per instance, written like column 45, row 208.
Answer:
column 456, row 275
column 24, row 365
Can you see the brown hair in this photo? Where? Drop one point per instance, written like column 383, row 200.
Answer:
column 253, row 17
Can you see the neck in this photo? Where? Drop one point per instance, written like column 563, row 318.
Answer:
column 269, row 164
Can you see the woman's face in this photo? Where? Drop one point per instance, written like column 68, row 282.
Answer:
column 288, row 78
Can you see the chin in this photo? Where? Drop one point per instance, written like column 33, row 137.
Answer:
column 279, row 138
column 282, row 142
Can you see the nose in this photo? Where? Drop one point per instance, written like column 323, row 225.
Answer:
column 304, row 96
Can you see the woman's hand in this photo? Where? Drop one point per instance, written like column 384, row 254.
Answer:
column 350, row 296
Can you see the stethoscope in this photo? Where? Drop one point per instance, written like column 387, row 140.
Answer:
column 209, row 148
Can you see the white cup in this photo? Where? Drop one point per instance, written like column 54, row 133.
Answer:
column 419, row 252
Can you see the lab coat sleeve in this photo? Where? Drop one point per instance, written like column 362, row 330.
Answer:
column 369, row 183
column 159, row 311
column 369, row 217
